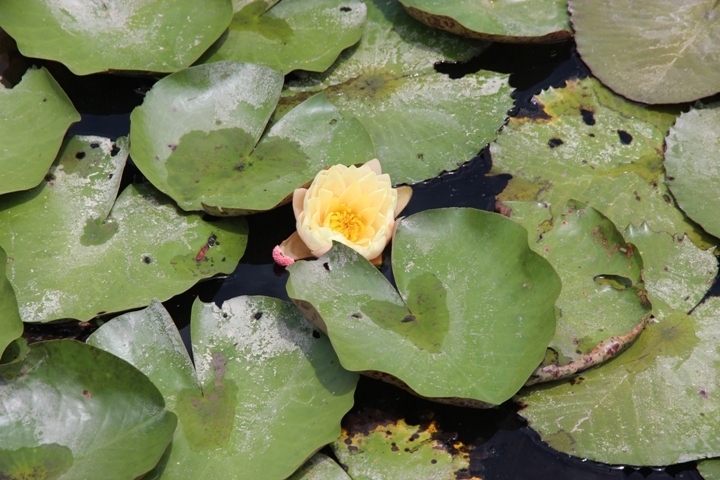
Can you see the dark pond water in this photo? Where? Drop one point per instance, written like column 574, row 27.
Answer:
column 503, row 447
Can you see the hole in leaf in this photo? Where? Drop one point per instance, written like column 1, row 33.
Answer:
column 80, row 155
column 316, row 334
column 625, row 137
column 345, row 9
column 588, row 116
column 258, row 315
column 555, row 142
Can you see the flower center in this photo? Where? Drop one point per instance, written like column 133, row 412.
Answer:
column 347, row 223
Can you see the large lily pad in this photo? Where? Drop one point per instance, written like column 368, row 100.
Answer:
column 603, row 294
column 34, row 116
column 691, row 161
column 421, row 122
column 653, row 404
column 652, row 51
column 524, row 21
column 94, row 35
column 11, row 326
column 372, row 449
column 266, row 392
column 593, row 146
column 295, row 34
column 197, row 137
column 75, row 251
column 70, row 410
column 473, row 317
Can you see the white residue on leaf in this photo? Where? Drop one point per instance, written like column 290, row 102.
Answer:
column 46, row 307
column 94, row 16
column 256, row 329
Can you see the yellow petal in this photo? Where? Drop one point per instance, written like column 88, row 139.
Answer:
column 298, row 201
column 374, row 165
column 403, row 197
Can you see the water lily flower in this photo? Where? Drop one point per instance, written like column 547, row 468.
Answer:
column 356, row 206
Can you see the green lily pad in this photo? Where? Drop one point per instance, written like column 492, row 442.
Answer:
column 524, row 21
column 71, row 410
column 709, row 469
column 95, row 36
column 197, row 137
column 652, row 405
column 75, row 251
column 294, row 34
column 593, row 146
column 34, row 116
column 320, row 467
column 421, row 122
column 650, row 51
column 691, row 164
column 266, row 392
column 473, row 317
column 603, row 294
column 398, row 450
column 11, row 326
column 641, row 407
column 15, row 351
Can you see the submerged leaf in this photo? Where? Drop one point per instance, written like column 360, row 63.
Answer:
column 473, row 317
column 73, row 410
column 391, row 448
column 84, row 252
column 11, row 326
column 34, row 116
column 266, row 391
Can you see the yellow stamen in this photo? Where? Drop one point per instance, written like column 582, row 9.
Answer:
column 347, row 223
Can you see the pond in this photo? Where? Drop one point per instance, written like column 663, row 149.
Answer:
column 492, row 443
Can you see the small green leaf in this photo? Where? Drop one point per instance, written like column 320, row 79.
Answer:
column 73, row 410
column 34, row 116
column 294, row 34
column 474, row 312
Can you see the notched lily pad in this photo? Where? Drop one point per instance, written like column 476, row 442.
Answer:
column 266, row 391
column 34, row 116
column 95, row 36
column 473, row 317
column 294, row 34
column 85, row 253
column 603, row 304
column 389, row 75
column 123, row 430
column 197, row 137
column 524, row 21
